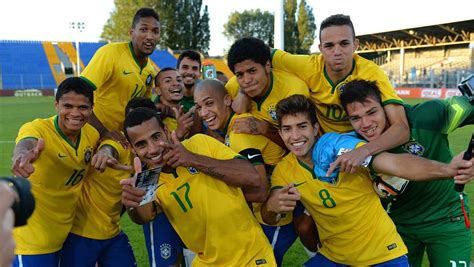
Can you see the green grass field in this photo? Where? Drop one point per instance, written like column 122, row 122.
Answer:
column 15, row 111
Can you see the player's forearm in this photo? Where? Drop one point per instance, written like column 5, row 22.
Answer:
column 274, row 136
column 97, row 124
column 23, row 147
column 411, row 167
column 257, row 193
column 269, row 217
column 241, row 103
column 235, row 172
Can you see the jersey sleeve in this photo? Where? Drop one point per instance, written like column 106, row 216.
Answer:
column 100, row 68
column 248, row 142
column 232, row 87
column 303, row 66
column 29, row 130
column 387, row 92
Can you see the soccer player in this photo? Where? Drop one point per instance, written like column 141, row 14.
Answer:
column 249, row 59
column 203, row 188
column 55, row 154
column 344, row 206
column 428, row 215
column 325, row 73
column 213, row 106
column 7, row 220
column 121, row 71
column 189, row 67
column 170, row 90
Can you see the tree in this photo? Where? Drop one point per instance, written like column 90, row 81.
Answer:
column 306, row 28
column 183, row 25
column 250, row 23
column 299, row 27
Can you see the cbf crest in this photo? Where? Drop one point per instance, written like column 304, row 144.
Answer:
column 272, row 112
column 149, row 78
column 193, row 170
column 227, row 140
column 414, row 148
column 165, row 250
column 87, row 155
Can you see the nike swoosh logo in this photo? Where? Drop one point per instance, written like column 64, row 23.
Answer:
column 61, row 156
column 126, row 73
column 253, row 156
column 296, row 185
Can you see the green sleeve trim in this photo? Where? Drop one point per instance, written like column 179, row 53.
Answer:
column 456, row 118
column 257, row 163
column 272, row 53
column 392, row 101
column 240, row 157
column 276, row 187
column 89, row 82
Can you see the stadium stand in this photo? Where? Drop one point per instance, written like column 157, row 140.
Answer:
column 87, row 50
column 24, row 66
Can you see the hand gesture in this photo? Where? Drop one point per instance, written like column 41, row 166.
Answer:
column 350, row 161
column 463, row 170
column 132, row 196
column 250, row 125
column 23, row 163
column 176, row 154
column 184, row 120
column 283, row 200
column 104, row 158
column 118, row 137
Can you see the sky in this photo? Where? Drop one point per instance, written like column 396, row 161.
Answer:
column 49, row 20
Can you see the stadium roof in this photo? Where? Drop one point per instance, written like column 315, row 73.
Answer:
column 461, row 32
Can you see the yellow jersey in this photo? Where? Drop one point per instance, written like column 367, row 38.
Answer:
column 324, row 93
column 271, row 153
column 211, row 217
column 100, row 203
column 282, row 85
column 171, row 123
column 116, row 76
column 56, row 185
column 353, row 227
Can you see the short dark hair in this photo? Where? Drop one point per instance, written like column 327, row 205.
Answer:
column 139, row 115
column 139, row 102
column 76, row 85
column 248, row 48
column 160, row 72
column 337, row 20
column 296, row 104
column 144, row 13
column 191, row 54
column 359, row 91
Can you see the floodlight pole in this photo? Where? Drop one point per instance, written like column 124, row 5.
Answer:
column 79, row 26
column 279, row 33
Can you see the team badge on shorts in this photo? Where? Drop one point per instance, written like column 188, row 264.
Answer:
column 272, row 113
column 193, row 170
column 414, row 148
column 148, row 79
column 165, row 250
column 88, row 155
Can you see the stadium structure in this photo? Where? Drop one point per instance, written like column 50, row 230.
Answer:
column 422, row 62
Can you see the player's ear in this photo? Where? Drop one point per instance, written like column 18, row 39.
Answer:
column 316, row 129
column 268, row 66
column 227, row 100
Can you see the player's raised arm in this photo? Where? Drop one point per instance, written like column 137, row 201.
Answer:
column 25, row 153
column 416, row 168
column 236, row 172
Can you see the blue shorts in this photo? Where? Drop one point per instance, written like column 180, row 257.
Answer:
column 81, row 251
column 281, row 238
column 162, row 242
column 321, row 261
column 40, row 260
